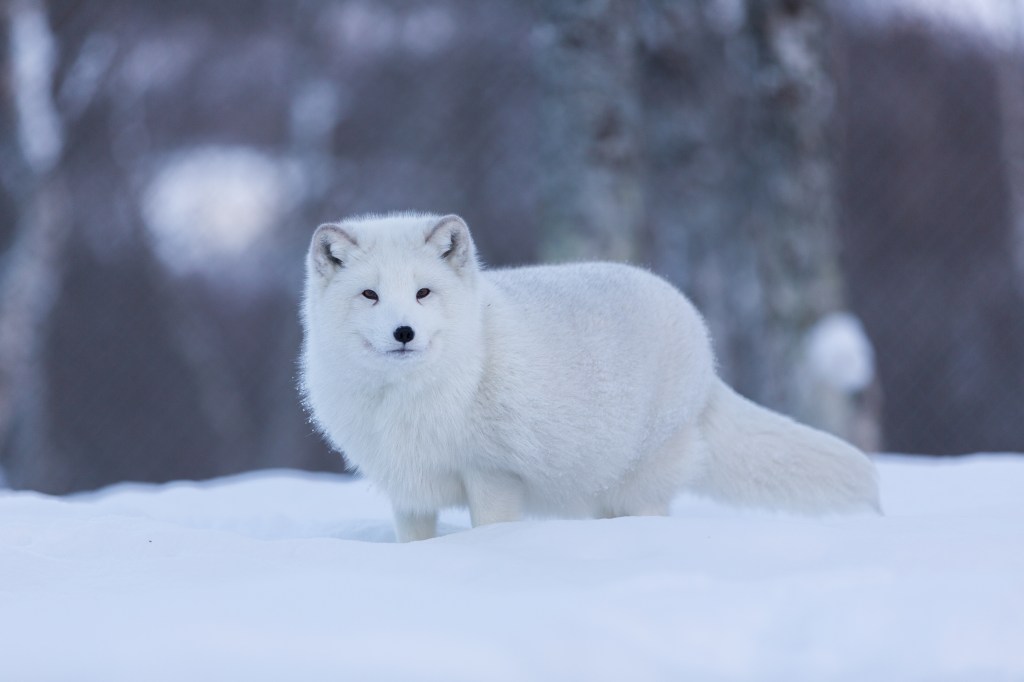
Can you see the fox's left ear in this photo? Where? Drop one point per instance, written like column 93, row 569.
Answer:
column 450, row 237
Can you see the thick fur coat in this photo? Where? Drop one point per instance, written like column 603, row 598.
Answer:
column 570, row 390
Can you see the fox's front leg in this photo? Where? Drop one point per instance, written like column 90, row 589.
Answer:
column 494, row 497
column 411, row 526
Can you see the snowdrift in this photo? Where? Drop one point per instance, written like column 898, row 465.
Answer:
column 282, row 575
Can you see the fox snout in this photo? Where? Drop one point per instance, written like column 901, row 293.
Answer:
column 404, row 334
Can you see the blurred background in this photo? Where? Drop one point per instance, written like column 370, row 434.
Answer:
column 839, row 186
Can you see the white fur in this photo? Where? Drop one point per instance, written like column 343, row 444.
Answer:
column 574, row 390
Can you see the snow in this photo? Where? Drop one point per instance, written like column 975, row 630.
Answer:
column 33, row 56
column 284, row 575
column 840, row 353
column 372, row 28
column 998, row 21
column 215, row 203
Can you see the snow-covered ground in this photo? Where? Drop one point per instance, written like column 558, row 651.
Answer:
column 288, row 576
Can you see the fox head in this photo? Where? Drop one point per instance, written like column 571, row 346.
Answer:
column 390, row 292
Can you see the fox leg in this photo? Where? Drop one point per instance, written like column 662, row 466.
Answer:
column 657, row 477
column 411, row 526
column 494, row 497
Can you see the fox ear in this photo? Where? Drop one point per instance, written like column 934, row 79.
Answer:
column 450, row 237
column 331, row 248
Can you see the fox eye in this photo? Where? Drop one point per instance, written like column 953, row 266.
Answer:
column 422, row 293
column 370, row 294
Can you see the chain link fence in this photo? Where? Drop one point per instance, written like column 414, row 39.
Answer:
column 162, row 166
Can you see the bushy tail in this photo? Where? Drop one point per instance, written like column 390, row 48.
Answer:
column 761, row 458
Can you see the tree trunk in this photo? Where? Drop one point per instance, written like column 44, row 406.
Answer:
column 592, row 203
column 738, row 109
column 31, row 267
column 1011, row 76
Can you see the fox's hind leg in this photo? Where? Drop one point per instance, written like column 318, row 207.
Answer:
column 657, row 476
column 493, row 496
column 411, row 526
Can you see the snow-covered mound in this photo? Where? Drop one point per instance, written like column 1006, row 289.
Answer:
column 288, row 576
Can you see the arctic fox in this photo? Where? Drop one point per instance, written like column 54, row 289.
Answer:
column 572, row 390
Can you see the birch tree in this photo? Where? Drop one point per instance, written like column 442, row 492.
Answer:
column 30, row 267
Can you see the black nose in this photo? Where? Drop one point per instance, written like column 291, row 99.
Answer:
column 404, row 334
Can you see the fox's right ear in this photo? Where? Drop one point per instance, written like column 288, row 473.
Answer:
column 331, row 247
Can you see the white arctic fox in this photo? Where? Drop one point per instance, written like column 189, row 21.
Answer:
column 576, row 390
